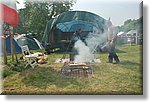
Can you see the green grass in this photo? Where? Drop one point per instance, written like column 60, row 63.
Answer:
column 123, row 78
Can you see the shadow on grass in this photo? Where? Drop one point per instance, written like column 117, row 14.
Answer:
column 131, row 65
column 42, row 77
column 120, row 51
column 106, row 51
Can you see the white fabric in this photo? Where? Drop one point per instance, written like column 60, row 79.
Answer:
column 60, row 60
column 39, row 44
column 120, row 33
column 9, row 3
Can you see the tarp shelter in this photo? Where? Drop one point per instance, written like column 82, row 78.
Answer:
column 59, row 30
column 122, row 38
column 17, row 48
column 121, row 34
column 32, row 43
column 135, row 37
column 132, row 33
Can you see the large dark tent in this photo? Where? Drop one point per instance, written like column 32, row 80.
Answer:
column 59, row 30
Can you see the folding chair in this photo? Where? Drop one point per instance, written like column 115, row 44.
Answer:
column 31, row 60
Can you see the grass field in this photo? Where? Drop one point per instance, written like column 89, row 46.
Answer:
column 123, row 78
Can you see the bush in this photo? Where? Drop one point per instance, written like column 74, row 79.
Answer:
column 12, row 68
column 6, row 72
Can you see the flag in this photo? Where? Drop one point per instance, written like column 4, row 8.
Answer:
column 8, row 12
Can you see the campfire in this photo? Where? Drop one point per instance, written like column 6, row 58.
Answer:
column 71, row 70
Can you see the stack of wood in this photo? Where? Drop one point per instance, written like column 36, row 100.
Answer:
column 42, row 58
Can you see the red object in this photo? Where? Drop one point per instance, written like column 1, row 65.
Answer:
column 8, row 15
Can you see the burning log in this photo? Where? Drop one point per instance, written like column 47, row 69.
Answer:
column 71, row 70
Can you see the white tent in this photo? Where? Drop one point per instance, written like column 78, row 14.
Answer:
column 120, row 33
column 131, row 32
column 122, row 38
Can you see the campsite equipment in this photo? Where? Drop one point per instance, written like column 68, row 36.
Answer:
column 31, row 60
column 72, row 70
column 32, row 43
column 8, row 45
column 134, row 37
column 60, row 29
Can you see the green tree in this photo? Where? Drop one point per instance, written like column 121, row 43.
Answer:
column 132, row 25
column 33, row 18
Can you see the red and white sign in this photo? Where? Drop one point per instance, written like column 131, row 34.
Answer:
column 8, row 12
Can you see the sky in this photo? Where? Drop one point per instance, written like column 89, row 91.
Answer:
column 118, row 10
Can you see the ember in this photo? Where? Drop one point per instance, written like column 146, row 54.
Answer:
column 71, row 70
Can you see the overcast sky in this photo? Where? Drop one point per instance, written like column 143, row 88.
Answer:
column 118, row 10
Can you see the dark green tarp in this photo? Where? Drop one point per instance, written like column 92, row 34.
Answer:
column 64, row 25
column 25, row 40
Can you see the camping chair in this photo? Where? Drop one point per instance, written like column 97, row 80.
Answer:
column 31, row 60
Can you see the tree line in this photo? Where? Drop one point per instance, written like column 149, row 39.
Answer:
column 132, row 25
column 34, row 17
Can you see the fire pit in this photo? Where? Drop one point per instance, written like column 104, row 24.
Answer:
column 71, row 70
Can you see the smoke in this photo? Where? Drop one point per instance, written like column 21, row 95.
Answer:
column 94, row 40
column 84, row 53
column 87, row 48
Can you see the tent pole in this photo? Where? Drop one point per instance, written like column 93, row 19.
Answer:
column 12, row 46
column 4, row 48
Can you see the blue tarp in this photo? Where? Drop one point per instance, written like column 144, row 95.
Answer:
column 8, row 46
column 74, row 25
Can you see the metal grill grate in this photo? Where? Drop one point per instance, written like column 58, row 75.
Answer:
column 72, row 71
